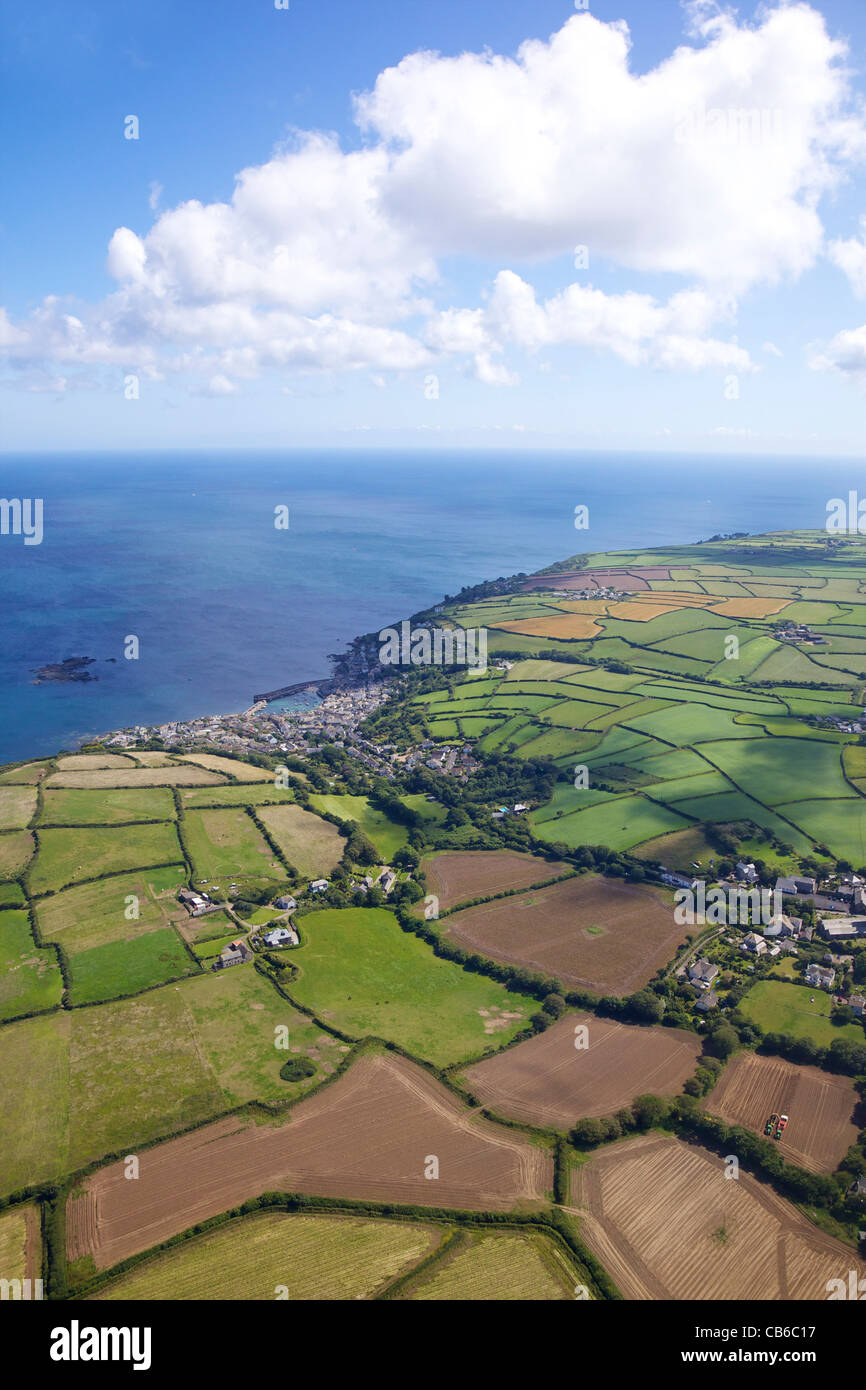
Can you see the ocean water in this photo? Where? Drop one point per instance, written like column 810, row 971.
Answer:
column 181, row 551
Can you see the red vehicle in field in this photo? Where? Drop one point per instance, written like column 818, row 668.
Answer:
column 783, row 1123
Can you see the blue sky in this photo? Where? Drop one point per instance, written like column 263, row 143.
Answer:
column 411, row 278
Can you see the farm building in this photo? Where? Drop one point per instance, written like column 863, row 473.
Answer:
column 747, row 873
column 319, row 885
column 844, row 928
column 286, row 904
column 195, row 903
column 857, row 1002
column 707, row 1002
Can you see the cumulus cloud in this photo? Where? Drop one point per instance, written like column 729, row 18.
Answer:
column 710, row 167
column 635, row 327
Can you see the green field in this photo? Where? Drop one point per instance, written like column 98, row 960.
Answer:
column 68, row 806
column 125, row 967
column 68, row 856
column 227, row 845
column 778, row 770
column 30, row 978
column 312, row 1257
column 382, row 832
column 796, row 1010
column 366, row 977
column 80, row 1083
column 111, row 909
column 230, row 794
column 620, row 823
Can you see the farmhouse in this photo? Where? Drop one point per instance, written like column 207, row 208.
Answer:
column 319, row 885
column 234, row 954
column 754, row 943
column 702, row 973
column 820, row 976
column 857, row 1002
column 747, row 873
column 387, row 879
column 281, row 936
column 286, row 904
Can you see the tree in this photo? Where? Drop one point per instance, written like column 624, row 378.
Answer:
column 644, row 1007
column 650, row 1111
column 722, row 1041
column 588, row 1133
column 554, row 1005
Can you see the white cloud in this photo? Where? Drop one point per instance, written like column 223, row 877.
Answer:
column 635, row 327
column 850, row 257
column 709, row 167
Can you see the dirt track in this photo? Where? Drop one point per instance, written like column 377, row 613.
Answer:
column 367, row 1135
column 819, row 1107
column 547, row 1081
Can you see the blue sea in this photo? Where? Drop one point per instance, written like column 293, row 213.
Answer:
column 181, row 551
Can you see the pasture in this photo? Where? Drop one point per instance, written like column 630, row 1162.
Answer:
column 366, row 977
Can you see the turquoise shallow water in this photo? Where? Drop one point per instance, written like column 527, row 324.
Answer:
column 182, row 552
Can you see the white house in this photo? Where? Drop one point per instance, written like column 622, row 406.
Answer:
column 319, row 885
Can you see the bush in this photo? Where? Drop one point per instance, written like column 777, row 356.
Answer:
column 297, row 1069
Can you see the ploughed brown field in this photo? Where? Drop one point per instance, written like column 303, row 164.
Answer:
column 820, row 1107
column 666, row 1223
column 602, row 933
column 467, row 874
column 548, row 1082
column 366, row 1135
column 634, row 579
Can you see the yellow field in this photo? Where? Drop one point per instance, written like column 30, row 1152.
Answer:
column 311, row 1257
column 16, row 850
column 176, row 776
column 244, row 772
column 19, row 1242
column 17, row 805
column 570, row 627
column 508, row 1265
column 91, row 762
